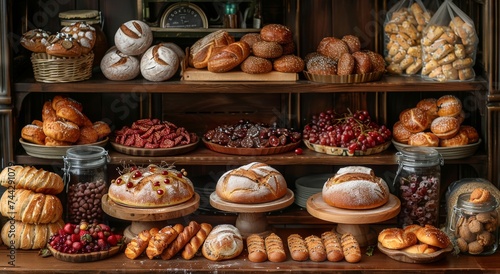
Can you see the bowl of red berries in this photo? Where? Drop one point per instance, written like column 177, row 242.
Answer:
column 85, row 242
column 346, row 134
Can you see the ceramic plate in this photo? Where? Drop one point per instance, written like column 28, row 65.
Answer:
column 250, row 151
column 406, row 257
column 449, row 152
column 340, row 151
column 49, row 152
column 137, row 151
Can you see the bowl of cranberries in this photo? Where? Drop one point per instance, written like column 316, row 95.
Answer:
column 84, row 242
column 346, row 134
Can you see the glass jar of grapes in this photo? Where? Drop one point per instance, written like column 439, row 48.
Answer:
column 417, row 185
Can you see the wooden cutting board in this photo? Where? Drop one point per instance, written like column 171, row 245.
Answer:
column 192, row 74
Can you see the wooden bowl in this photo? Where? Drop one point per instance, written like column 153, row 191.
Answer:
column 86, row 257
column 413, row 258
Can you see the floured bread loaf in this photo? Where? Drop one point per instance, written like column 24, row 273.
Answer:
column 355, row 187
column 251, row 183
column 151, row 186
column 224, row 242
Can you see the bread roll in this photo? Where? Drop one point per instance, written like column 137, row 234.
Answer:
column 400, row 133
column 415, row 120
column 321, row 65
column 377, row 61
column 350, row 248
column 276, row 33
column 71, row 114
column 21, row 235
column 433, row 236
column 204, row 48
column 266, row 49
column 133, row 37
column 274, row 248
column 420, row 249
column 352, row 42
column 429, row 105
column 117, row 66
column 346, row 64
column 333, row 246
column 363, row 63
column 289, row 64
column 33, row 134
column 48, row 112
column 138, row 244
column 160, row 240
column 102, row 129
column 251, row 183
column 224, row 242
column 61, row 131
column 256, row 65
column 229, row 57
column 316, row 248
column 31, row 207
column 159, row 63
column 28, row 177
column 297, row 247
column 445, row 127
column 460, row 139
column 251, row 38
column 60, row 101
column 471, row 132
column 424, row 139
column 35, row 40
column 396, row 238
column 256, row 248
column 355, row 187
column 332, row 47
column 449, row 105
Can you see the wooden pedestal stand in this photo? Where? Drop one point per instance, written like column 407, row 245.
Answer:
column 352, row 221
column 146, row 218
column 252, row 217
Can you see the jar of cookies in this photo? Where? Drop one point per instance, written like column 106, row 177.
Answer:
column 417, row 185
column 85, row 178
column 474, row 222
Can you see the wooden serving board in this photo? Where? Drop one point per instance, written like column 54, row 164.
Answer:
column 86, row 257
column 192, row 74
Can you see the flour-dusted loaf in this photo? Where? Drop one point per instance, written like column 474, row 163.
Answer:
column 118, row 66
column 224, row 242
column 133, row 37
column 159, row 63
column 151, row 186
column 355, row 187
column 252, row 183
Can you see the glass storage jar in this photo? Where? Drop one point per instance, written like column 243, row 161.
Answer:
column 417, row 185
column 474, row 226
column 85, row 178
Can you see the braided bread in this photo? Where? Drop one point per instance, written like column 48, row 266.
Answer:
column 30, row 207
column 37, row 180
column 182, row 239
column 196, row 242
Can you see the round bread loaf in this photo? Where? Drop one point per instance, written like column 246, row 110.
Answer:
column 118, row 66
column 415, row 120
column 276, row 33
column 151, row 186
column 433, row 236
column 63, row 45
column 178, row 50
column 289, row 63
column 346, row 64
column 423, row 139
column 82, row 32
column 429, row 105
column 400, row 133
column 355, row 187
column 449, row 105
column 224, row 242
column 133, row 37
column 377, row 60
column 35, row 40
column 251, row 183
column 445, row 127
column 256, row 65
column 267, row 49
column 251, row 38
column 159, row 63
column 321, row 65
column 352, row 42
column 332, row 47
column 396, row 238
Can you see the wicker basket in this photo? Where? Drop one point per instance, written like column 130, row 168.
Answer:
column 53, row 69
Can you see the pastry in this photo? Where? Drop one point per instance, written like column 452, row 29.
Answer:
column 63, row 45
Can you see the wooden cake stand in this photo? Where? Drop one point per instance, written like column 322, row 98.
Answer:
column 145, row 218
column 251, row 217
column 354, row 221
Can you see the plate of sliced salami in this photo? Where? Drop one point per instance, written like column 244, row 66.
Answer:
column 138, row 151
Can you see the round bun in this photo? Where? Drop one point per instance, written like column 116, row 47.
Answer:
column 396, row 238
column 48, row 112
column 63, row 45
column 423, row 139
column 289, row 63
column 133, row 37
column 321, row 65
column 445, row 127
column 363, row 63
column 415, row 120
column 224, row 242
column 33, row 134
column 60, row 101
column 82, row 32
column 35, row 40
column 346, row 64
column 267, row 49
column 471, row 132
column 420, row 249
column 54, row 143
column 377, row 60
column 429, row 105
column 251, row 183
column 276, row 33
column 151, row 186
column 251, row 38
column 61, row 131
column 355, row 187
column 102, row 128
column 352, row 42
column 433, row 236
column 400, row 133
column 256, row 65
column 88, row 135
column 460, row 139
column 332, row 47
column 117, row 66
column 449, row 105
column 288, row 48
column 159, row 63
column 72, row 114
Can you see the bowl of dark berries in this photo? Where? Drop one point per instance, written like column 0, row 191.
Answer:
column 251, row 138
column 84, row 242
column 346, row 134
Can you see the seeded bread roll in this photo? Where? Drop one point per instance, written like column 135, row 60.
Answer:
column 321, row 65
column 352, row 42
column 256, row 65
column 256, row 248
column 298, row 248
column 251, row 38
column 377, row 61
column 289, row 63
column 332, row 47
column 276, row 33
column 333, row 246
column 274, row 248
column 363, row 63
column 316, row 248
column 346, row 64
column 433, row 236
column 267, row 49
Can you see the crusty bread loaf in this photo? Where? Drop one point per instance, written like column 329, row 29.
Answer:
column 333, row 246
column 433, row 236
column 29, row 236
column 251, row 183
column 297, row 247
column 117, row 66
column 396, row 238
column 204, row 48
column 229, row 57
column 35, row 40
column 159, row 63
column 138, row 244
column 316, row 248
column 256, row 248
column 137, row 188
column 196, row 242
column 355, row 187
column 350, row 248
column 133, row 37
column 30, row 207
column 224, row 242
column 274, row 248
column 28, row 177
column 181, row 240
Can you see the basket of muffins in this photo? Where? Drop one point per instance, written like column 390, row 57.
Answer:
column 437, row 123
column 66, row 56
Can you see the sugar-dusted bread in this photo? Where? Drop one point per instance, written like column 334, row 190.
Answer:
column 355, row 187
column 224, row 242
column 251, row 183
column 151, row 186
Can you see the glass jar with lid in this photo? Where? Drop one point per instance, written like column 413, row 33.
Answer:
column 417, row 185
column 474, row 225
column 85, row 178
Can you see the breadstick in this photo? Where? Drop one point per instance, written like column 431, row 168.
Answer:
column 182, row 239
column 332, row 245
column 274, row 248
column 297, row 247
column 138, row 244
column 195, row 243
column 317, row 251
column 256, row 248
column 350, row 247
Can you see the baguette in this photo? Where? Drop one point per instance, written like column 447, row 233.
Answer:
column 37, row 180
column 350, row 247
column 160, row 241
column 138, row 244
column 181, row 240
column 317, row 251
column 333, row 246
column 196, row 242
column 256, row 248
column 297, row 247
column 229, row 57
column 274, row 248
column 30, row 207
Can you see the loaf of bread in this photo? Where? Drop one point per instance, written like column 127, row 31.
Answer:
column 159, row 63
column 28, row 177
column 316, row 248
column 224, row 242
column 138, row 244
column 29, row 236
column 151, row 186
column 256, row 248
column 161, row 239
column 31, row 207
column 117, row 66
column 333, row 246
column 355, row 187
column 251, row 183
column 203, row 49
column 181, row 240
column 133, row 37
column 63, row 45
column 228, row 57
column 396, row 238
column 297, row 247
column 350, row 248
column 35, row 40
column 82, row 32
column 196, row 242
column 274, row 248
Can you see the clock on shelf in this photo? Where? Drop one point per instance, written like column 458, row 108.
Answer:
column 184, row 15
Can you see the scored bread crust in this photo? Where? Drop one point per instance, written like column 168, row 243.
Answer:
column 204, row 48
column 355, row 187
column 224, row 242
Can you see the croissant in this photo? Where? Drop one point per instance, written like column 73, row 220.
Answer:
column 29, row 236
column 138, row 244
column 161, row 240
column 37, row 180
column 30, row 207
column 195, row 243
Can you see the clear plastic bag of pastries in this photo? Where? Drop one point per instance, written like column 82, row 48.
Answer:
column 403, row 28
column 449, row 45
